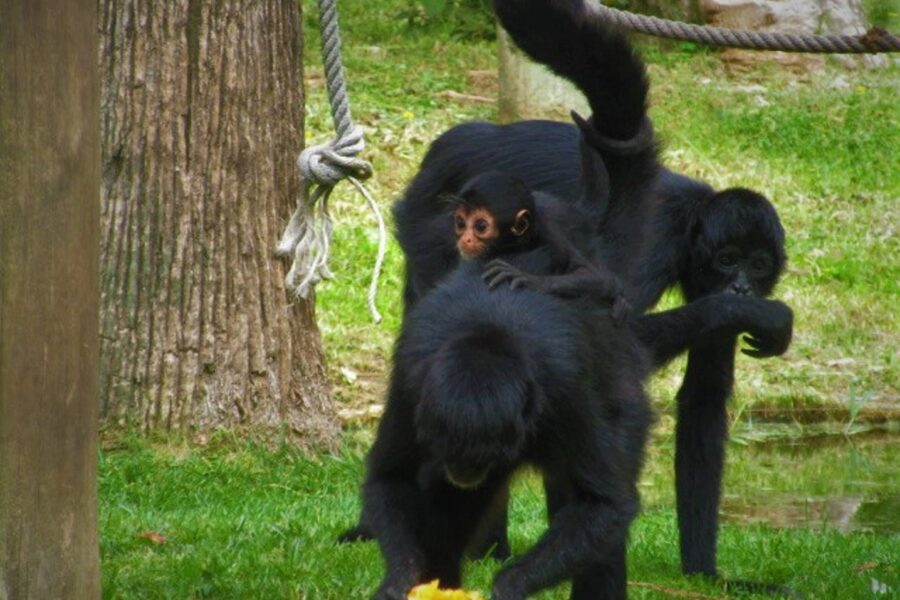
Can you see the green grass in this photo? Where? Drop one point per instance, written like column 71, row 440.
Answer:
column 883, row 13
column 240, row 521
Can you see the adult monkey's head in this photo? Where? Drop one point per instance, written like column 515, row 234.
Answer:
column 479, row 404
column 736, row 245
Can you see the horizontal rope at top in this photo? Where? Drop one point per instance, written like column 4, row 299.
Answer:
column 873, row 41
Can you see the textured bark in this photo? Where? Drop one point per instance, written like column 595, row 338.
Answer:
column 49, row 234
column 202, row 121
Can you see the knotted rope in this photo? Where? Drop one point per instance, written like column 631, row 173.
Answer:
column 873, row 41
column 308, row 234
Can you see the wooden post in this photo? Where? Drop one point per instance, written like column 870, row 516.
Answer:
column 49, row 253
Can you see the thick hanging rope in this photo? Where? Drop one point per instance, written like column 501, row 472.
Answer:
column 308, row 234
column 873, row 41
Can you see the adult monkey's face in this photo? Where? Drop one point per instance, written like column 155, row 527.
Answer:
column 745, row 269
column 736, row 246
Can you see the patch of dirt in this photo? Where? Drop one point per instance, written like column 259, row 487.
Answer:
column 484, row 82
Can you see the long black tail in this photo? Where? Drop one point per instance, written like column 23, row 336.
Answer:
column 577, row 45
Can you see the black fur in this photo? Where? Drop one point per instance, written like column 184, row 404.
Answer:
column 653, row 255
column 732, row 244
column 484, row 382
column 653, row 227
column 570, row 275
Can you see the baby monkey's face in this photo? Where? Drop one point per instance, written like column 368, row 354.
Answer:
column 479, row 230
column 476, row 230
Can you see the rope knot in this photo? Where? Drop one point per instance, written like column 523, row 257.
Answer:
column 307, row 237
column 330, row 163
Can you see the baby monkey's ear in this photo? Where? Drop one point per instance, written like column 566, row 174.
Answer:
column 523, row 220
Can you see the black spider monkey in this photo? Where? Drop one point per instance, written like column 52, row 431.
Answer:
column 736, row 246
column 485, row 381
column 496, row 216
column 653, row 240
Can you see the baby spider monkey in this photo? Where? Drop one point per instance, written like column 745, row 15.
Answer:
column 492, row 216
column 496, row 218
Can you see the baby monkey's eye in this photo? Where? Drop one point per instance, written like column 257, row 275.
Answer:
column 460, row 223
column 481, row 225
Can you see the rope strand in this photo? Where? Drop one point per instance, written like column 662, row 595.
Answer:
column 382, row 247
column 875, row 40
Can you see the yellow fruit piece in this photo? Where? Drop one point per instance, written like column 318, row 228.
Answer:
column 431, row 591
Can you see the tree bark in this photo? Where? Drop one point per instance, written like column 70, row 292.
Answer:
column 202, row 122
column 49, row 240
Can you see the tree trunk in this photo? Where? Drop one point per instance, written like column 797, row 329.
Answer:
column 202, row 122
column 49, row 240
